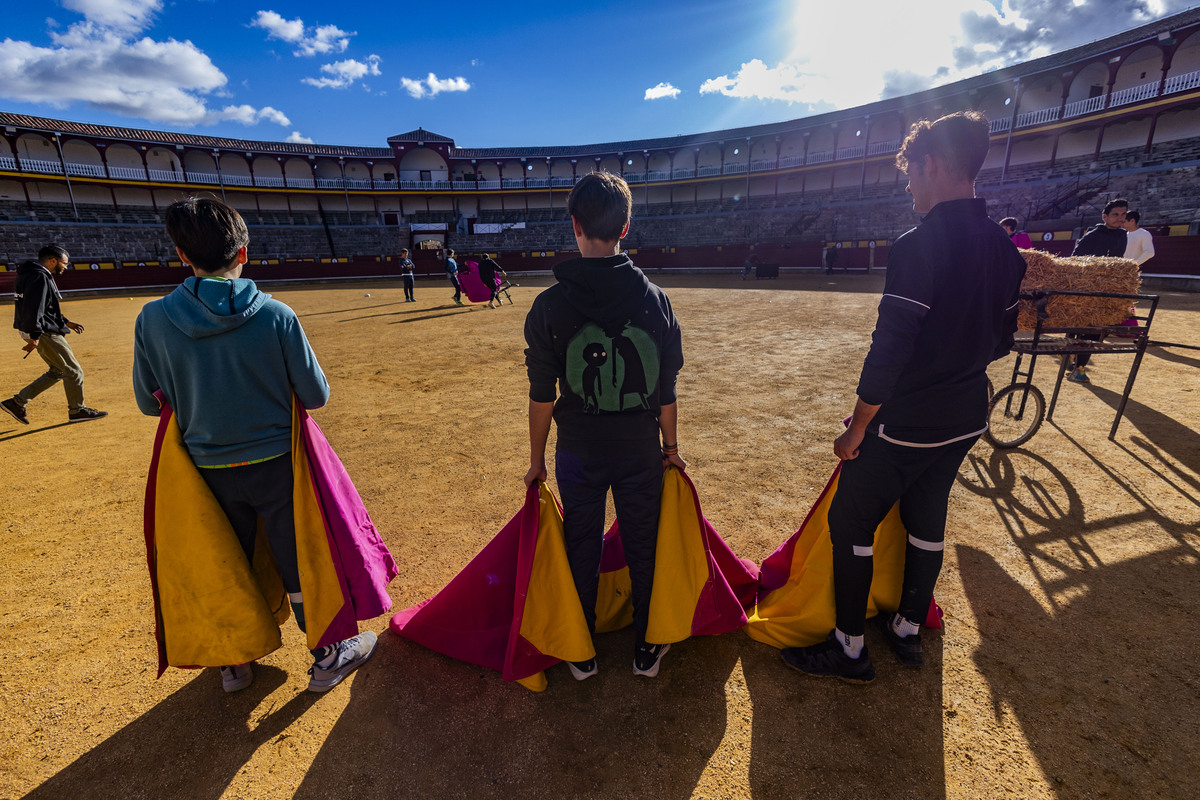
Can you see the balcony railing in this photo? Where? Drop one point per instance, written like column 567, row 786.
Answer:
column 8, row 163
column 819, row 157
column 1182, row 83
column 854, row 151
column 883, row 148
column 1000, row 125
column 34, row 165
column 1039, row 117
column 734, row 169
column 1134, row 94
column 262, row 181
column 87, row 170
column 1080, row 107
column 762, row 165
column 791, row 161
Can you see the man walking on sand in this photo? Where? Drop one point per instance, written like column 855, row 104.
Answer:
column 39, row 319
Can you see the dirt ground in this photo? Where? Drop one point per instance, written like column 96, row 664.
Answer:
column 1067, row 667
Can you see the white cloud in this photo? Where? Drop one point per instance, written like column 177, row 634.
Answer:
column 343, row 73
column 296, row 138
column 142, row 78
column 432, row 86
column 126, row 16
column 662, row 90
column 947, row 40
column 320, row 40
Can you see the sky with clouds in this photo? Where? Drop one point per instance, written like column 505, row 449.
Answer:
column 493, row 75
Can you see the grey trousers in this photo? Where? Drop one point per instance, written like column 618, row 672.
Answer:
column 57, row 354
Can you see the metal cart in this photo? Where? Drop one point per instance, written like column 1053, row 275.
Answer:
column 1015, row 412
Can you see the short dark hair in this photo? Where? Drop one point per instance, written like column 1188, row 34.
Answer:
column 1009, row 222
column 960, row 140
column 1135, row 216
column 1116, row 202
column 601, row 203
column 403, row 249
column 53, row 251
column 208, row 231
column 449, row 253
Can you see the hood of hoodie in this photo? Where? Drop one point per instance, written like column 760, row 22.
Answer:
column 606, row 290
column 26, row 267
column 203, row 307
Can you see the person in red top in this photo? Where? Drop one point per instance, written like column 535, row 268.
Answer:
column 1019, row 238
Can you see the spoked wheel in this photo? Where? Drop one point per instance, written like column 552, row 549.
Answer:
column 1015, row 414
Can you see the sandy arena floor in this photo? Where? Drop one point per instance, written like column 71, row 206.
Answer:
column 1067, row 667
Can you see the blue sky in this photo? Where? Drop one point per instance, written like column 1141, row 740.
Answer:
column 495, row 74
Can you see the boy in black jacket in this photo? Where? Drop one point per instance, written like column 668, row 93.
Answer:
column 40, row 321
column 948, row 309
column 605, row 342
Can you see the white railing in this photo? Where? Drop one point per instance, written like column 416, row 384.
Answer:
column 8, row 163
column 161, row 175
column 358, row 183
column 1039, row 117
column 457, row 184
column 634, row 177
column 704, row 172
column 34, row 165
column 263, row 180
column 1181, row 83
column 537, row 183
column 883, row 148
column 329, row 183
column 237, row 180
column 203, row 177
column 562, row 180
column 819, row 157
column 1134, row 94
column 1080, row 107
column 762, row 165
column 683, row 173
column 854, row 151
column 392, row 184
column 301, row 183
column 512, row 183
column 1000, row 125
column 490, row 185
column 791, row 161
column 415, row 184
column 125, row 173
column 658, row 175
column 734, row 169
column 89, row 170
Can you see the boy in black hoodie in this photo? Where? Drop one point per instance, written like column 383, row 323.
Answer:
column 605, row 342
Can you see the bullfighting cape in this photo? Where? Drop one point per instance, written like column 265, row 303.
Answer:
column 473, row 286
column 514, row 608
column 795, row 598
column 214, row 608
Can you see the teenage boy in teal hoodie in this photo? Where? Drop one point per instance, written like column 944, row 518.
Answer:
column 228, row 359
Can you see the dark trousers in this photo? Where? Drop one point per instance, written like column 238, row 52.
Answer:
column 408, row 287
column 920, row 479
column 634, row 472
column 260, row 490
column 457, row 288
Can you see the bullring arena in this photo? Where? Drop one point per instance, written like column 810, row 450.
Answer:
column 1066, row 665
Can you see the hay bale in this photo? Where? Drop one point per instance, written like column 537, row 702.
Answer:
column 1082, row 274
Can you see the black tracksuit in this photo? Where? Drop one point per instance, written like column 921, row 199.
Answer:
column 949, row 308
column 1100, row 240
column 604, row 347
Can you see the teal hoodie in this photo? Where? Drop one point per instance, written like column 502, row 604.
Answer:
column 228, row 358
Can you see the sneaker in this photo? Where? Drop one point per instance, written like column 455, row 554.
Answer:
column 1078, row 376
column 829, row 660
column 906, row 648
column 236, row 678
column 16, row 410
column 648, row 658
column 348, row 655
column 582, row 670
column 83, row 414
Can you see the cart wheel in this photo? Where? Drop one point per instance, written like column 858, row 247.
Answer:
column 1015, row 414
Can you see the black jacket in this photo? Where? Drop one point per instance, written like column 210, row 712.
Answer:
column 37, row 302
column 604, row 341
column 1101, row 241
column 949, row 309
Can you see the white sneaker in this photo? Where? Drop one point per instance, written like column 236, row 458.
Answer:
column 347, row 656
column 648, row 658
column 582, row 670
column 234, row 679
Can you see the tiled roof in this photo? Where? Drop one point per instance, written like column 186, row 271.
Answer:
column 147, row 136
column 420, row 135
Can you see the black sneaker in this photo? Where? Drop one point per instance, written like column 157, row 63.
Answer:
column 16, row 410
column 906, row 648
column 648, row 658
column 829, row 660
column 83, row 414
column 582, row 670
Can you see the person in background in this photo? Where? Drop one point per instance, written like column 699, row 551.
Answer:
column 38, row 317
column 1020, row 238
column 1107, row 239
column 1139, row 244
column 452, row 274
column 406, row 272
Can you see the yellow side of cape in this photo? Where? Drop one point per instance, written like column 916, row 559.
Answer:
column 553, row 620
column 680, row 564
column 203, row 575
column 801, row 612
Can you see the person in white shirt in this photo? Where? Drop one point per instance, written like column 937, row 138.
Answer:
column 1139, row 244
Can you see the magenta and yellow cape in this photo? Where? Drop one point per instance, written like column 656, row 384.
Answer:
column 212, row 607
